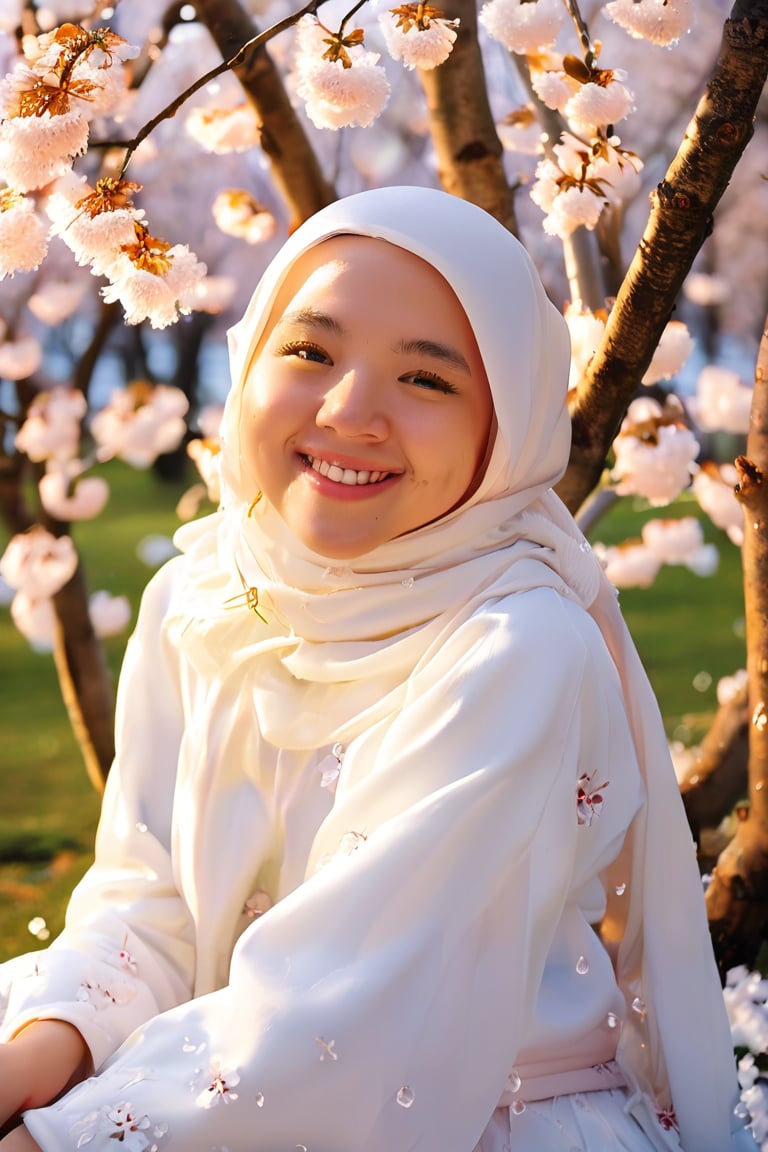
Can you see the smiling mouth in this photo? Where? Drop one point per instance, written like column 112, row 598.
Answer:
column 350, row 476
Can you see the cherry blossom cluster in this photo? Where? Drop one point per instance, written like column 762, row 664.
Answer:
column 68, row 78
column 136, row 425
column 676, row 542
column 587, row 169
column 655, row 453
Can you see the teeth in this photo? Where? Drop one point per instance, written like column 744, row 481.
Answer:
column 345, row 475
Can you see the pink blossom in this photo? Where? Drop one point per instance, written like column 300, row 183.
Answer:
column 238, row 213
column 213, row 294
column 209, row 420
column 335, row 96
column 139, row 432
column 66, row 495
column 705, row 289
column 523, row 25
column 713, row 487
column 520, row 131
column 35, row 619
column 730, row 686
column 662, row 22
column 19, row 359
column 34, row 150
column 110, row 615
column 672, row 352
column 51, row 430
column 38, row 563
column 206, row 455
column 722, row 402
column 159, row 298
column 23, row 236
column 95, row 240
column 54, row 301
column 567, row 207
column 628, row 565
column 552, row 86
column 223, row 130
column 415, row 46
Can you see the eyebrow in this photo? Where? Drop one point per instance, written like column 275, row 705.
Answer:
column 313, row 318
column 436, row 351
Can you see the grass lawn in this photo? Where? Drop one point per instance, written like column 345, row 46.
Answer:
column 688, row 629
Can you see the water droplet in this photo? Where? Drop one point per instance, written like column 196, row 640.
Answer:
column 621, row 889
column 638, row 1006
column 259, row 1099
column 338, row 751
column 514, row 1082
column 702, row 681
column 408, row 582
column 518, row 1107
column 405, row 1096
column 612, row 1020
column 759, row 786
column 741, row 1110
column 141, row 826
column 582, row 965
column 585, row 546
column 301, row 1148
column 760, row 716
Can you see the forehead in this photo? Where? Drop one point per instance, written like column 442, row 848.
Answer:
column 387, row 274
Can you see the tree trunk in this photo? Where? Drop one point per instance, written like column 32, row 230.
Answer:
column 680, row 221
column 469, row 152
column 737, row 897
column 295, row 167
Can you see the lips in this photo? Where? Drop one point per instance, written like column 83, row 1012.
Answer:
column 352, row 477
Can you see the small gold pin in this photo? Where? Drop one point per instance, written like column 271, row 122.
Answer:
column 248, row 598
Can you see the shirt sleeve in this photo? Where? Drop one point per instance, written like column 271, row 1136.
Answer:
column 125, row 917
column 381, row 1005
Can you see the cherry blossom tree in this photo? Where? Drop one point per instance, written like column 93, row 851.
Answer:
column 152, row 160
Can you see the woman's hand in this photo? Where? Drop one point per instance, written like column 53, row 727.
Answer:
column 42, row 1060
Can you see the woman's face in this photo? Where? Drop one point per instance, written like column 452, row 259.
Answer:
column 366, row 410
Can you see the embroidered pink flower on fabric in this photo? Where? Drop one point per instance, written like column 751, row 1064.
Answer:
column 667, row 1119
column 217, row 1084
column 589, row 799
column 121, row 1123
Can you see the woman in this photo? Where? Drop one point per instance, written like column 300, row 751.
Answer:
column 386, row 763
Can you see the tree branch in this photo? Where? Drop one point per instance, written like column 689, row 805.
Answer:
column 680, row 221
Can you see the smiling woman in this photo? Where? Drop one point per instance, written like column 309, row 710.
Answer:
column 392, row 856
column 367, row 369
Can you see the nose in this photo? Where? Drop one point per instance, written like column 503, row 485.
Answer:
column 353, row 406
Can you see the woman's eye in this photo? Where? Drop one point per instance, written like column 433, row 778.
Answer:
column 304, row 351
column 430, row 382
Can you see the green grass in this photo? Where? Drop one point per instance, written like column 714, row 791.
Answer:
column 684, row 626
column 49, row 808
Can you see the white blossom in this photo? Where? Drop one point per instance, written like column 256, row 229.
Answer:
column 38, row 563
column 594, row 104
column 672, row 352
column 95, row 240
column 586, row 330
column 713, row 487
column 110, row 615
column 520, row 131
column 653, row 459
column 138, row 425
column 222, row 130
column 523, row 25
column 213, row 294
column 23, row 236
column 20, row 358
column 680, row 542
column 729, row 686
column 628, row 565
column 34, row 150
column 722, row 402
column 568, row 205
column 336, row 96
column 159, row 297
column 662, row 22
column 415, row 46
column 705, row 289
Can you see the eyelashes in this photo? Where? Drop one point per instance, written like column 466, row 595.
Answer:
column 311, row 353
column 304, row 350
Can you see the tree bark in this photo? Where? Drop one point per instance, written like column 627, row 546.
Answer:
column 295, row 167
column 718, row 775
column 679, row 222
column 737, row 897
column 468, row 149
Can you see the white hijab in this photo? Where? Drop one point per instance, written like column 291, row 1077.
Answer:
column 370, row 622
